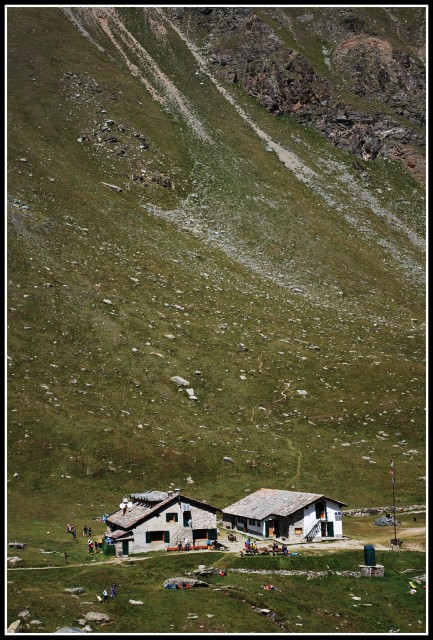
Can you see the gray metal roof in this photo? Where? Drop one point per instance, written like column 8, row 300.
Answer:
column 267, row 502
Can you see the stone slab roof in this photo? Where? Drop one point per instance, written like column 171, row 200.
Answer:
column 120, row 534
column 152, row 496
column 202, row 519
column 266, row 502
column 133, row 515
column 137, row 513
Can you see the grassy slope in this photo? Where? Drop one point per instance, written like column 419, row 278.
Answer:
column 88, row 242
column 322, row 604
column 77, row 392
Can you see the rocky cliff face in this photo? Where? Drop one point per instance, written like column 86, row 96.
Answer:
column 371, row 100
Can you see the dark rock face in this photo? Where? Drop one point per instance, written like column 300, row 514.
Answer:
column 373, row 69
column 287, row 84
column 376, row 56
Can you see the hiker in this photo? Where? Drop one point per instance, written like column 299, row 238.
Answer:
column 179, row 545
column 105, row 594
column 113, row 591
column 85, row 530
column 90, row 545
column 186, row 544
column 89, row 532
column 271, row 587
column 74, row 534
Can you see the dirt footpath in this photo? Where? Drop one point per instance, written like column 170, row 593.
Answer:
column 329, row 547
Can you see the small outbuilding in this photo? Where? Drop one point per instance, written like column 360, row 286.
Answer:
column 156, row 520
column 294, row 516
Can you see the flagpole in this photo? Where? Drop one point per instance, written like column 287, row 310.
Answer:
column 393, row 500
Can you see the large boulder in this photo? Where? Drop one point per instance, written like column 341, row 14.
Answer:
column 384, row 521
column 95, row 616
column 180, row 580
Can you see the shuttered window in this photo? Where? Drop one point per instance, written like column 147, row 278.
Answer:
column 171, row 517
column 156, row 536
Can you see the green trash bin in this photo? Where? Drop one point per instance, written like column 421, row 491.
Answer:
column 108, row 549
column 369, row 555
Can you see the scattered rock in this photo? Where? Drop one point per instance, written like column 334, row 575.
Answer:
column 112, row 186
column 181, row 382
column 24, row 613
column 74, row 590
column 14, row 627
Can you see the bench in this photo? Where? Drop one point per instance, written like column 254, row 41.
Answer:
column 191, row 547
column 202, row 546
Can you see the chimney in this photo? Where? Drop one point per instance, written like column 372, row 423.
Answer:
column 177, row 491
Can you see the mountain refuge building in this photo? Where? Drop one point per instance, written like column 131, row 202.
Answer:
column 155, row 520
column 289, row 515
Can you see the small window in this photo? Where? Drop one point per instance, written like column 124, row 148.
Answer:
column 171, row 517
column 298, row 531
column 155, row 536
column 240, row 519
